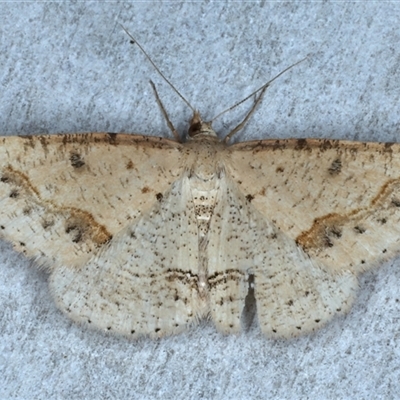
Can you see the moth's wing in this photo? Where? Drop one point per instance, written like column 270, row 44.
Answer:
column 145, row 280
column 339, row 200
column 294, row 293
column 230, row 253
column 62, row 197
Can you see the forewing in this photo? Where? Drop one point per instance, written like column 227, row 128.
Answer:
column 340, row 201
column 62, row 197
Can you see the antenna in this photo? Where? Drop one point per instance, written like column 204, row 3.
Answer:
column 261, row 88
column 134, row 41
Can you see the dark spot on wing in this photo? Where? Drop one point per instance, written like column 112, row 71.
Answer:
column 76, row 233
column 359, row 229
column 112, row 137
column 14, row 194
column 159, row 197
column 129, row 164
column 335, row 231
column 301, row 144
column 249, row 198
column 145, row 189
column 327, row 241
column 47, row 224
column 396, row 202
column 336, row 167
column 76, row 160
column 26, row 210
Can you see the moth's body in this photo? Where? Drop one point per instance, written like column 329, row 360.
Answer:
column 146, row 236
column 204, row 184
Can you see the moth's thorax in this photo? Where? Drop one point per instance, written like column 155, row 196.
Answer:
column 204, row 157
column 205, row 169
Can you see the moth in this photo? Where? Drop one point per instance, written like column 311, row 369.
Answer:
column 147, row 236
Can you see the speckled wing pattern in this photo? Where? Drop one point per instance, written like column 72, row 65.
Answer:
column 147, row 236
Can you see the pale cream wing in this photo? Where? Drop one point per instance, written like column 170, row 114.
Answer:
column 62, row 197
column 339, row 200
column 145, row 280
column 230, row 252
column 294, row 293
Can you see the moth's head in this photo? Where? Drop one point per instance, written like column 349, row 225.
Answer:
column 199, row 127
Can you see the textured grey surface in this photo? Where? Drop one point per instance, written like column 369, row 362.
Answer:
column 69, row 67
